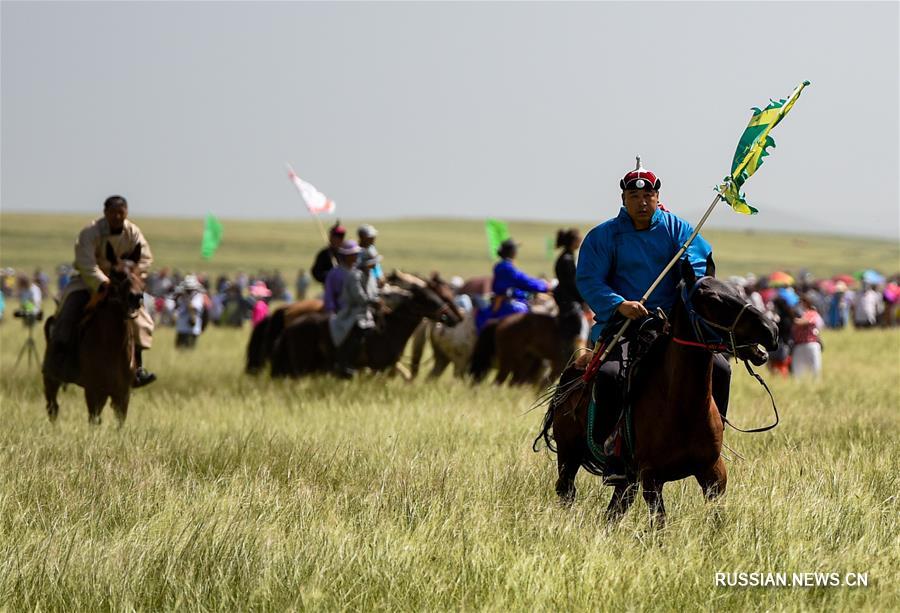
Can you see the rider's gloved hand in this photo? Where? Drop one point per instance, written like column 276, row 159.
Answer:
column 632, row 309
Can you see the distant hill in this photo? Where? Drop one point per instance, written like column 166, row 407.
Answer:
column 452, row 246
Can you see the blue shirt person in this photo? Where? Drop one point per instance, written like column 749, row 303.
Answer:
column 620, row 259
column 510, row 287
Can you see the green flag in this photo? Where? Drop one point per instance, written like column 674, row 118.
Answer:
column 497, row 232
column 212, row 236
column 550, row 244
column 752, row 147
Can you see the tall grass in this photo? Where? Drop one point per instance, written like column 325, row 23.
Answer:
column 228, row 492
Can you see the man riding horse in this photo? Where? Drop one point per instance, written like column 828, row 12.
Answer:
column 618, row 261
column 89, row 285
column 509, row 287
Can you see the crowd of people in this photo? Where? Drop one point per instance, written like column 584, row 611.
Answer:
column 349, row 273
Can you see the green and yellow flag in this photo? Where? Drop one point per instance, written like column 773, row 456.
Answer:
column 212, row 236
column 752, row 147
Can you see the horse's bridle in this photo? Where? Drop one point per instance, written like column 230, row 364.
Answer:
column 704, row 328
column 700, row 323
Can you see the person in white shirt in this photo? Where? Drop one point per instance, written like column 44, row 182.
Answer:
column 189, row 313
column 867, row 307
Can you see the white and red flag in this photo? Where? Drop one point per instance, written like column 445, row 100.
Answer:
column 316, row 201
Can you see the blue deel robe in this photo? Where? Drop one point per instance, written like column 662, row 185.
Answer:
column 618, row 263
column 511, row 282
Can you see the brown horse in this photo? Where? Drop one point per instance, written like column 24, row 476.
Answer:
column 105, row 343
column 267, row 331
column 523, row 343
column 305, row 347
column 676, row 424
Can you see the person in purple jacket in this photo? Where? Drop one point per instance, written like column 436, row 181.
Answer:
column 348, row 253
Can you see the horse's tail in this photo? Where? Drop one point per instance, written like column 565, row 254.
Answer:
column 262, row 341
column 546, row 430
column 418, row 346
column 569, row 380
column 483, row 354
column 256, row 357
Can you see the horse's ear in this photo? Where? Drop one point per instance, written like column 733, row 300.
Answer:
column 135, row 255
column 111, row 255
column 710, row 266
column 687, row 272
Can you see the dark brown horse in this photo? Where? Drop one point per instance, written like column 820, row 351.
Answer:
column 105, row 343
column 267, row 331
column 676, row 424
column 305, row 347
column 522, row 343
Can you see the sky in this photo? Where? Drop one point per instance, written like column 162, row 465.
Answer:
column 411, row 109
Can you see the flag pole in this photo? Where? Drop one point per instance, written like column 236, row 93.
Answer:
column 615, row 340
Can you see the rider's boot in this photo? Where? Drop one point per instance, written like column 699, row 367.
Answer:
column 721, row 383
column 614, row 470
column 142, row 376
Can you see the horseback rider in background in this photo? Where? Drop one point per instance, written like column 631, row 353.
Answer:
column 509, row 287
column 566, row 294
column 618, row 261
column 90, row 284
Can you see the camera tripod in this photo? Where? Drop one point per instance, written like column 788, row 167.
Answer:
column 30, row 348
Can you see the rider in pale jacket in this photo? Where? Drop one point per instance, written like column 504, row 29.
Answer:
column 350, row 326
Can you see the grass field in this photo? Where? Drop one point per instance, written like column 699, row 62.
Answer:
column 224, row 492
column 422, row 245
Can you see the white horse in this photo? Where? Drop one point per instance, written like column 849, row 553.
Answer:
column 455, row 345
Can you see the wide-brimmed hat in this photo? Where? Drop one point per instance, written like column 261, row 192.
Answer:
column 349, row 248
column 260, row 290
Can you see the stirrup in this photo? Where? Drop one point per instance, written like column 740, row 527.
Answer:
column 615, row 472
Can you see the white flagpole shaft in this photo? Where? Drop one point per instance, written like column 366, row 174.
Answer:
column 615, row 340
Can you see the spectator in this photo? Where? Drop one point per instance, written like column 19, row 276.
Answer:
column 806, row 355
column 30, row 297
column 867, row 308
column 261, row 294
column 302, row 285
column 62, row 277
column 838, row 306
column 189, row 312
column 42, row 281
column 783, row 314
